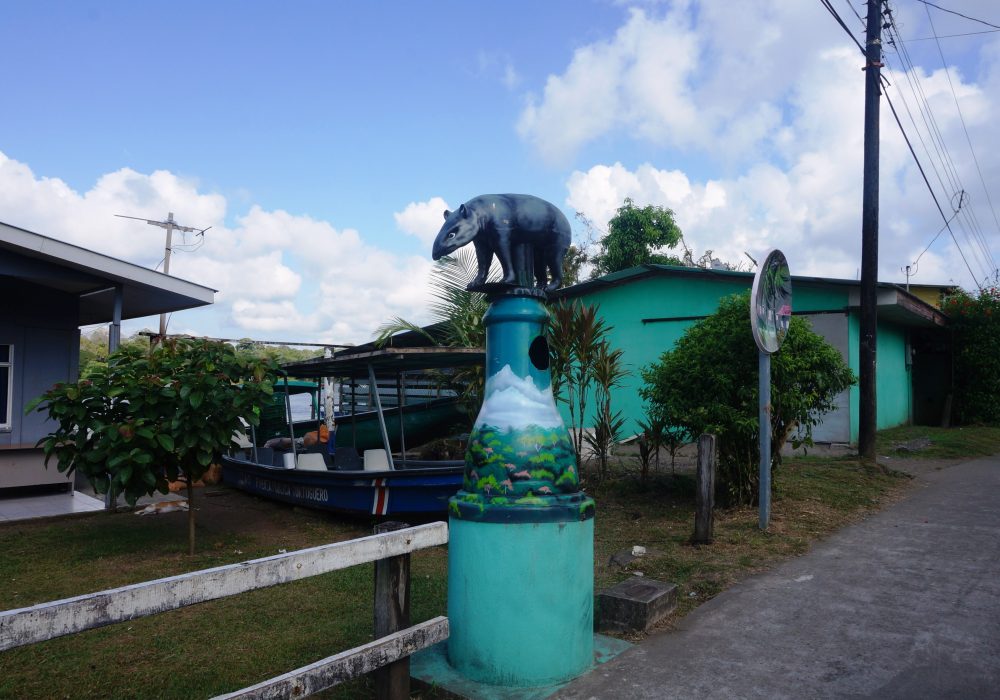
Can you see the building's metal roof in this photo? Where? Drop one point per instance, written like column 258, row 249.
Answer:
column 91, row 277
column 651, row 270
column 894, row 302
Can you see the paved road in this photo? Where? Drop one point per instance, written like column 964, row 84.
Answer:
column 903, row 605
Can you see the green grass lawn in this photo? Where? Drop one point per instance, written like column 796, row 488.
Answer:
column 945, row 443
column 221, row 646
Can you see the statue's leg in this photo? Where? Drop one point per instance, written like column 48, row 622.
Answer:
column 484, row 258
column 555, row 263
column 503, row 252
column 541, row 258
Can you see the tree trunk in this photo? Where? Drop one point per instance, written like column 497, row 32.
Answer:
column 190, row 490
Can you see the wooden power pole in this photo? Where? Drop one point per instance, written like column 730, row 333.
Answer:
column 867, row 415
column 170, row 225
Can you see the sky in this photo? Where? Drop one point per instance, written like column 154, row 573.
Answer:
column 322, row 141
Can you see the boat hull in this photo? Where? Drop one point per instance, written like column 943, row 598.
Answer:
column 423, row 490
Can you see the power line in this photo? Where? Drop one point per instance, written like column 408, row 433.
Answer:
column 952, row 12
column 952, row 36
column 940, row 231
column 968, row 139
column 947, row 223
column 929, row 121
column 836, row 16
column 967, row 222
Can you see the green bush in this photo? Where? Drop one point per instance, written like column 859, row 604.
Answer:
column 151, row 416
column 708, row 384
column 975, row 324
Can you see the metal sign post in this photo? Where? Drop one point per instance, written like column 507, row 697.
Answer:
column 770, row 313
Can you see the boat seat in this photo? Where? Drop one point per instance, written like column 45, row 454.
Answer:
column 311, row 461
column 376, row 460
column 346, row 458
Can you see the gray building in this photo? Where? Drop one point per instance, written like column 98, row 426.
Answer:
column 48, row 289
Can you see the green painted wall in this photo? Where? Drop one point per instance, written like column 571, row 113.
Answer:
column 893, row 381
column 623, row 307
column 668, row 296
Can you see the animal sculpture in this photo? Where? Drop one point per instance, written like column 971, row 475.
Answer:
column 520, row 229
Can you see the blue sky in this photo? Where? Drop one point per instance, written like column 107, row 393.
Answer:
column 321, row 140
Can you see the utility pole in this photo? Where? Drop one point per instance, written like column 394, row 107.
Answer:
column 170, row 225
column 867, row 415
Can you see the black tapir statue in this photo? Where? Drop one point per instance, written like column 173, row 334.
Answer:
column 499, row 223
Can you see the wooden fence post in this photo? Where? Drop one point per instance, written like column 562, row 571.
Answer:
column 392, row 613
column 704, row 491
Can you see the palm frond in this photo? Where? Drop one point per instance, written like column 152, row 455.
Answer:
column 397, row 325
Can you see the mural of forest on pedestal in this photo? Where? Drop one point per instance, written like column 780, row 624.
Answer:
column 519, row 452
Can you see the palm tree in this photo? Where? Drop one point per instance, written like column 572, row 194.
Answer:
column 457, row 321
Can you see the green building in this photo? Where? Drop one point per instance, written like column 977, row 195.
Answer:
column 650, row 306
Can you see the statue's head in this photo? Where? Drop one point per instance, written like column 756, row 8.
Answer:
column 459, row 228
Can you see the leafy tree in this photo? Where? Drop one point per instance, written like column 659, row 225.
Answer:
column 975, row 325
column 150, row 417
column 635, row 237
column 249, row 349
column 572, row 268
column 708, row 384
column 94, row 349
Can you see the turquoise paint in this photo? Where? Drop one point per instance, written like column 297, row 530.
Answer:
column 520, row 601
column 893, row 377
column 623, row 307
column 854, row 362
column 697, row 294
column 521, row 551
column 512, row 324
column 893, row 385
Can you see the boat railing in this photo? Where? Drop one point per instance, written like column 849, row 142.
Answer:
column 388, row 655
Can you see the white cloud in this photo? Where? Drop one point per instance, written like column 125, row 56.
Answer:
column 51, row 207
column 422, row 219
column 699, row 75
column 796, row 179
column 279, row 275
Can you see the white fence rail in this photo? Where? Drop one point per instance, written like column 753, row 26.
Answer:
column 46, row 621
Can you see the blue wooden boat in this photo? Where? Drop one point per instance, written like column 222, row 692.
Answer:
column 369, row 482
column 420, row 488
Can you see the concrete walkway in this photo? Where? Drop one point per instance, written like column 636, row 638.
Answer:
column 903, row 605
column 46, row 505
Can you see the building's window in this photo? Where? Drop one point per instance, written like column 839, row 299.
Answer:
column 6, row 381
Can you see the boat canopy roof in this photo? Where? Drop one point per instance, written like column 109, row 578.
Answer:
column 295, row 386
column 349, row 364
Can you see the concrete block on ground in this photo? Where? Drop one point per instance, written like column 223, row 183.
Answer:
column 635, row 605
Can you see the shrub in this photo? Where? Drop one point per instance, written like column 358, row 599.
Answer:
column 975, row 324
column 151, row 416
column 708, row 384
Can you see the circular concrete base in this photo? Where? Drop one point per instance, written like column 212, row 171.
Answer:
column 521, row 601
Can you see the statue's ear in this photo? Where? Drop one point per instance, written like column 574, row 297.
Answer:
column 446, row 214
column 463, row 211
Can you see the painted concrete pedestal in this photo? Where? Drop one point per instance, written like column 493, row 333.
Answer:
column 521, row 550
column 530, row 622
